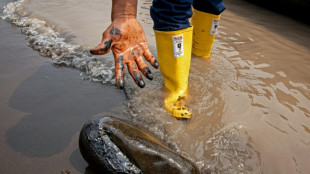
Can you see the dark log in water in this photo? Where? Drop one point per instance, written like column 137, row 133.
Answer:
column 114, row 146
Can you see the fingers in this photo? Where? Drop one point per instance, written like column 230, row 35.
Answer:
column 149, row 56
column 135, row 73
column 111, row 34
column 119, row 72
column 143, row 68
column 103, row 48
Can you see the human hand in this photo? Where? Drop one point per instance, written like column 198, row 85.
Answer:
column 126, row 38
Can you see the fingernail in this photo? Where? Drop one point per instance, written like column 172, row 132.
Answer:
column 141, row 83
column 149, row 75
column 156, row 65
column 121, row 83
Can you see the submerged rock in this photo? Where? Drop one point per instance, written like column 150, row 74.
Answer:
column 115, row 146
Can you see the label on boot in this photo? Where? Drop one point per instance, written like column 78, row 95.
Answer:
column 178, row 46
column 215, row 24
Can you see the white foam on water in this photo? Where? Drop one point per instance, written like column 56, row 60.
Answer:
column 49, row 43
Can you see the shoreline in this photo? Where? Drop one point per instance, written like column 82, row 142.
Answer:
column 43, row 108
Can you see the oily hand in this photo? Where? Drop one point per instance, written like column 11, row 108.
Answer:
column 127, row 40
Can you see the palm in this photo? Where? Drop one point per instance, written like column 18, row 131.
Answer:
column 126, row 38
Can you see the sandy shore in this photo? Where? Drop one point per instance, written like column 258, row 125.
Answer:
column 43, row 108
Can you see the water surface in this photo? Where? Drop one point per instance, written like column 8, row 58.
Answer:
column 250, row 100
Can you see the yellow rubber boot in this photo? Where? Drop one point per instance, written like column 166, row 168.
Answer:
column 205, row 25
column 174, row 57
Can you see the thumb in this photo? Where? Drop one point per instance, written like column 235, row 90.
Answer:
column 104, row 47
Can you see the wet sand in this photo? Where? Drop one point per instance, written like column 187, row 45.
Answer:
column 43, row 108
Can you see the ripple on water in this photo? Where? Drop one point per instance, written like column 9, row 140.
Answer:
column 246, row 113
column 44, row 38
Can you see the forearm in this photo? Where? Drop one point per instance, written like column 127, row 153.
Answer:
column 124, row 9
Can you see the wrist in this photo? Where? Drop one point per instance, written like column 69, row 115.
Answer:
column 124, row 9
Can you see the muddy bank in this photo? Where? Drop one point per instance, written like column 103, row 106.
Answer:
column 43, row 107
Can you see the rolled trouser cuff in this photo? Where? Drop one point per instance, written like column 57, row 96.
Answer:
column 171, row 16
column 215, row 7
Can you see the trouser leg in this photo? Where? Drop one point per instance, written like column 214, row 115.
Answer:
column 171, row 15
column 173, row 35
column 215, row 7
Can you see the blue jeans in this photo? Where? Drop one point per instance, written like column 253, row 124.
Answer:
column 171, row 15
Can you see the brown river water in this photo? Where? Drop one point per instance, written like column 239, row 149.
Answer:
column 250, row 100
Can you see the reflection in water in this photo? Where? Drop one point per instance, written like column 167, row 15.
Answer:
column 54, row 116
column 250, row 101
